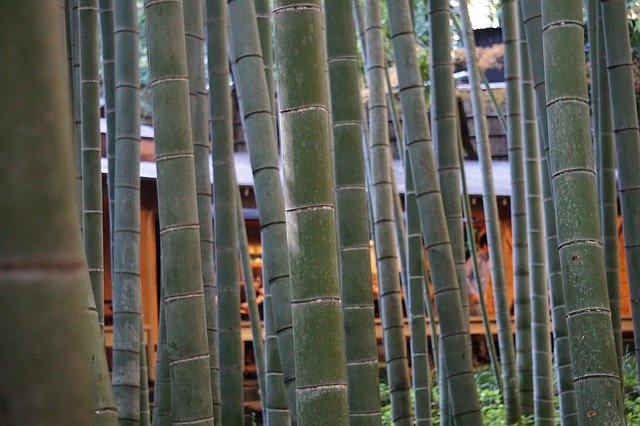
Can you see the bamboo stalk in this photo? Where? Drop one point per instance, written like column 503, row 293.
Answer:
column 126, row 293
column 607, row 194
column 532, row 19
column 626, row 137
column 321, row 382
column 188, row 353
column 250, row 296
column 383, row 202
column 595, row 370
column 505, row 338
column 454, row 333
column 541, row 344
column 199, row 110
column 351, row 212
column 43, row 272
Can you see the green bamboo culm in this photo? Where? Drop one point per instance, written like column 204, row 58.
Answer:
column 225, row 220
column 200, row 107
column 520, row 266
column 321, row 390
column 188, row 353
column 263, row 15
column 626, row 137
column 444, row 121
column 416, row 312
column 91, row 153
column 72, row 16
column 539, row 294
column 607, row 194
column 254, row 100
column 43, row 272
column 126, row 293
column 444, row 113
column 275, row 402
column 505, row 339
column 351, row 212
column 250, row 296
column 532, row 20
column 455, row 343
column 382, row 203
column 107, row 41
column 594, row 362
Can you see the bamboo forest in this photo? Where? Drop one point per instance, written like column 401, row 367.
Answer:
column 319, row 212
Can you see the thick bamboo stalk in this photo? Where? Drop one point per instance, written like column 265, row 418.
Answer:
column 382, row 199
column 627, row 141
column 595, row 370
column 199, row 107
column 321, row 391
column 254, row 100
column 489, row 203
column 43, row 272
column 607, row 194
column 455, row 338
column 351, row 213
column 188, row 353
column 90, row 135
column 541, row 344
column 532, row 19
column 126, row 294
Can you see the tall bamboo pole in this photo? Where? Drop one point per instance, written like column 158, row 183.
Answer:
column 321, row 391
column 275, row 403
column 107, row 40
column 520, row 267
column 532, row 19
column 126, row 293
column 627, row 141
column 445, row 121
column 72, row 16
column 199, row 108
column 43, row 273
column 225, row 221
column 415, row 312
column 188, row 353
column 595, row 370
column 351, row 212
column 454, row 334
column 90, row 135
column 607, row 194
column 254, row 100
column 489, row 203
column 539, row 294
column 386, row 249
